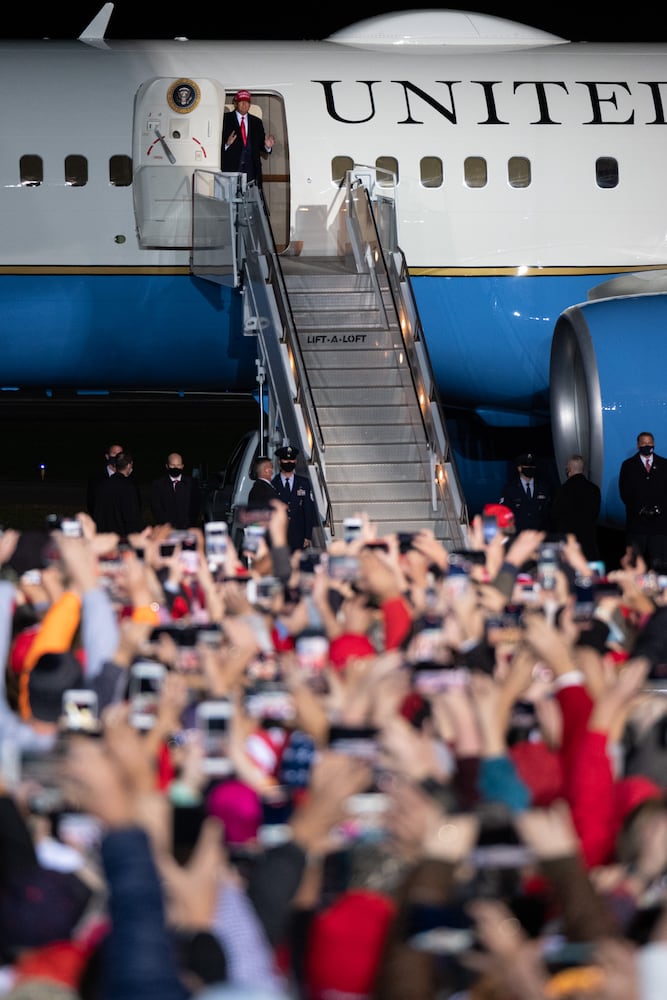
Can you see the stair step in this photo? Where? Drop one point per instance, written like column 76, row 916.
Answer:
column 358, row 378
column 388, row 491
column 344, row 416
column 306, row 300
column 369, row 395
column 372, row 472
column 354, row 434
column 387, row 510
column 384, row 358
column 373, row 453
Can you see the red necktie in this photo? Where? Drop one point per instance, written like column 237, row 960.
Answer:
column 648, row 464
column 243, row 132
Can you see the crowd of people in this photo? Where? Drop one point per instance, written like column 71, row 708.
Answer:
column 375, row 770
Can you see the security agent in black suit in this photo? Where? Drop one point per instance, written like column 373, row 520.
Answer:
column 175, row 497
column 642, row 483
column 295, row 491
column 239, row 154
column 262, row 491
column 117, row 504
column 576, row 507
column 528, row 496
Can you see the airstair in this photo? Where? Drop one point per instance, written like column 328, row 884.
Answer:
column 341, row 350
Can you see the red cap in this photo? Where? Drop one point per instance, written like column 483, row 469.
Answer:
column 242, row 95
column 503, row 515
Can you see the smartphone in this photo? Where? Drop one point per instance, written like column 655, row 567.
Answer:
column 584, row 602
column 253, row 515
column 343, row 568
column 506, row 627
column 216, row 536
column 366, row 813
column 427, row 644
column 264, row 590
column 312, row 657
column 79, row 711
column 145, row 684
column 547, row 566
column 71, row 527
column 357, row 741
column 352, row 527
column 269, row 701
column 252, row 535
column 81, row 831
column 489, row 527
column 212, row 721
column 432, row 678
column 405, row 540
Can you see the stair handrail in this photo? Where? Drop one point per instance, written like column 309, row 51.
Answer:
column 376, row 187
column 262, row 269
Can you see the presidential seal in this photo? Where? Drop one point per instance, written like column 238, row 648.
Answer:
column 183, row 96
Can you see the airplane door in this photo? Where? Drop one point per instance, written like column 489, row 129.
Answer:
column 177, row 129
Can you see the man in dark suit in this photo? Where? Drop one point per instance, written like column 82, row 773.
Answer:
column 295, row 491
column 528, row 496
column 576, row 508
column 642, row 483
column 175, row 497
column 244, row 141
column 101, row 476
column 262, row 491
column 117, row 506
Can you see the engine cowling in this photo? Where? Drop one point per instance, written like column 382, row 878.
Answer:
column 607, row 383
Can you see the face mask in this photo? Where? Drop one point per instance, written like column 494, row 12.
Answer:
column 646, row 449
column 175, row 473
column 288, row 466
column 528, row 471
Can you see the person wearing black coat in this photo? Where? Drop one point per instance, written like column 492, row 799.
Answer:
column 175, row 497
column 528, row 496
column 576, row 507
column 642, row 483
column 117, row 502
column 262, row 491
column 296, row 492
column 244, row 141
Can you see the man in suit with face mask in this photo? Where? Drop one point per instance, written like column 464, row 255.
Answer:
column 642, row 483
column 295, row 491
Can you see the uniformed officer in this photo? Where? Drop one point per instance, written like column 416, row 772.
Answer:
column 295, row 491
column 528, row 496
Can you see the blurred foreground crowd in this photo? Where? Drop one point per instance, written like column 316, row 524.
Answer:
column 383, row 770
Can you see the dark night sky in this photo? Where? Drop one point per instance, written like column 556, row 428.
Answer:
column 281, row 21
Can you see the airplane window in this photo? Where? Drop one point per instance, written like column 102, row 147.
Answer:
column 387, row 165
column 606, row 172
column 76, row 170
column 120, row 171
column 32, row 170
column 518, row 171
column 339, row 167
column 474, row 172
column 431, row 172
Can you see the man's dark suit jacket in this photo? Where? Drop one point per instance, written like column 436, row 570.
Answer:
column 642, row 491
column 261, row 494
column 230, row 159
column 575, row 509
column 117, row 506
column 180, row 506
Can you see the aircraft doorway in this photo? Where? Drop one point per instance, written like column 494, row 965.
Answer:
column 275, row 168
column 177, row 130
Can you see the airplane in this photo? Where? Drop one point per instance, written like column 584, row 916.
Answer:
column 527, row 176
